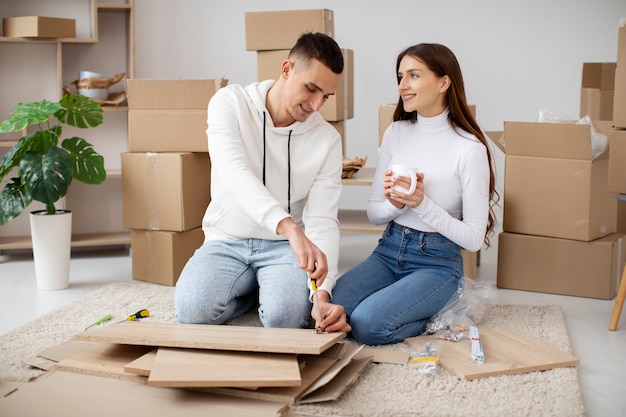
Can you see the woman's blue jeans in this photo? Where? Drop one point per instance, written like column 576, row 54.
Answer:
column 392, row 294
column 224, row 279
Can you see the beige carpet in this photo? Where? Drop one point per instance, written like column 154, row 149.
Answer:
column 382, row 390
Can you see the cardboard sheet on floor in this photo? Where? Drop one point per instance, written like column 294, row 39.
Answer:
column 48, row 358
column 212, row 368
column 314, row 367
column 77, row 395
column 381, row 354
column 105, row 359
column 204, row 336
column 506, row 351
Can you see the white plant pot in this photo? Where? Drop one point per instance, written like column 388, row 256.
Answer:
column 52, row 240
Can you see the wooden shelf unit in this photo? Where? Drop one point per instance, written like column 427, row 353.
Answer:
column 108, row 48
column 356, row 221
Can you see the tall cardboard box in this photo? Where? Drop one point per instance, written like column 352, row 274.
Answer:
column 165, row 191
column 596, row 93
column 617, row 161
column 553, row 186
column 619, row 100
column 281, row 29
column 339, row 106
column 160, row 256
column 561, row 266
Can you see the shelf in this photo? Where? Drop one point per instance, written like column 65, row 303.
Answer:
column 362, row 177
column 356, row 221
column 78, row 241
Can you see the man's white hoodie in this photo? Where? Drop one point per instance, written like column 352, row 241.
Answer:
column 300, row 166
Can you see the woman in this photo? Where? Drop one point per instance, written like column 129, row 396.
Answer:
column 417, row 265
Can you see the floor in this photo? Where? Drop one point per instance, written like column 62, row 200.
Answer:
column 602, row 370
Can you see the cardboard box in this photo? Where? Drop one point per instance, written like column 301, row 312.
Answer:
column 617, row 161
column 167, row 94
column 596, row 103
column 165, row 191
column 339, row 106
column 38, row 27
column 599, row 75
column 552, row 186
column 340, row 126
column 167, row 131
column 160, row 256
column 561, row 266
column 621, row 217
column 619, row 99
column 281, row 29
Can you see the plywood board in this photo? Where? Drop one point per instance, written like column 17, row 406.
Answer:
column 506, row 351
column 141, row 365
column 211, row 368
column 314, row 367
column 205, row 336
column 77, row 395
column 105, row 359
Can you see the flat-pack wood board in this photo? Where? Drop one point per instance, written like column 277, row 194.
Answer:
column 507, row 352
column 212, row 368
column 71, row 394
column 105, row 359
column 205, row 336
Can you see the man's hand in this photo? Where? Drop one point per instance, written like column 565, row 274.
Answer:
column 333, row 315
column 310, row 257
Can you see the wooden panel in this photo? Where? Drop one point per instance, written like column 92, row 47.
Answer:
column 105, row 359
column 142, row 365
column 75, row 395
column 506, row 351
column 204, row 336
column 203, row 368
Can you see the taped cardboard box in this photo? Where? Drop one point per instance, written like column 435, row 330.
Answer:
column 339, row 106
column 38, row 27
column 561, row 266
column 170, row 94
column 167, row 131
column 165, row 191
column 281, row 29
column 160, row 256
column 553, row 187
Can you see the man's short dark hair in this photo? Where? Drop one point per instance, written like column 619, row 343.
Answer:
column 321, row 47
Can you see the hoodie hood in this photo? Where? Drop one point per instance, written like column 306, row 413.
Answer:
column 257, row 92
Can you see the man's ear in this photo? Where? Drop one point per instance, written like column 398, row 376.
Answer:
column 286, row 68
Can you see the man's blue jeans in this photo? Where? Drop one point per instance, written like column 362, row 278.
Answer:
column 224, row 279
column 392, row 294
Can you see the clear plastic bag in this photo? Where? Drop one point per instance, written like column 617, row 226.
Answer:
column 427, row 359
column 465, row 309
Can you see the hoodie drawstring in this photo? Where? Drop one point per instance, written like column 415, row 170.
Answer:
column 288, row 164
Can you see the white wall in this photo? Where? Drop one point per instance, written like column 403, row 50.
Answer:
column 517, row 57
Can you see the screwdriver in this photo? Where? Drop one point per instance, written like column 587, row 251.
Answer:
column 102, row 319
column 138, row 315
column 317, row 304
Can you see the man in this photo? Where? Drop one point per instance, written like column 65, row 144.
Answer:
column 275, row 186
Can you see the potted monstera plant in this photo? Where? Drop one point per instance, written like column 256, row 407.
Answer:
column 45, row 166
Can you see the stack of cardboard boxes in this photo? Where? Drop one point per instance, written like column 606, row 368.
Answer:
column 272, row 34
column 561, row 231
column 166, row 174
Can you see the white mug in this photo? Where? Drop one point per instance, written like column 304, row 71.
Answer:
column 405, row 171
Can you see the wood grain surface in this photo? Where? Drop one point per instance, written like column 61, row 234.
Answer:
column 204, row 336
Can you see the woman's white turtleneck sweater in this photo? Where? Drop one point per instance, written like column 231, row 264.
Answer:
column 456, row 180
